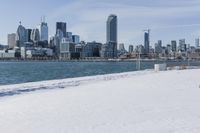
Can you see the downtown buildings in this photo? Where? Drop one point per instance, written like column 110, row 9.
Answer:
column 64, row 45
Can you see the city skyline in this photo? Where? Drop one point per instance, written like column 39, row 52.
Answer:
column 168, row 20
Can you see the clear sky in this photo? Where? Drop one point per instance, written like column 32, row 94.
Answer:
column 167, row 19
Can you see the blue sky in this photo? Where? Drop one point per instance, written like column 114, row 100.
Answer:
column 168, row 20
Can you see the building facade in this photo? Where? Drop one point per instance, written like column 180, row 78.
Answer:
column 76, row 39
column 109, row 50
column 21, row 36
column 61, row 26
column 43, row 29
column 11, row 40
column 35, row 35
column 146, row 42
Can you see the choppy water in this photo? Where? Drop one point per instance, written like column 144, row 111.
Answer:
column 22, row 72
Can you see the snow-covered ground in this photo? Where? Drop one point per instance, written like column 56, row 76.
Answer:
column 134, row 102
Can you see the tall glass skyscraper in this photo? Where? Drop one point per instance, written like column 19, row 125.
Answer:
column 111, row 28
column 21, row 35
column 146, row 42
column 43, row 28
column 62, row 26
column 110, row 48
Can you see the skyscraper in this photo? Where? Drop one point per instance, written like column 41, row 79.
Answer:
column 35, row 35
column 158, row 47
column 69, row 36
column 146, row 41
column 62, row 26
column 29, row 34
column 174, row 45
column 11, row 40
column 21, row 35
column 43, row 29
column 182, row 45
column 112, row 28
column 110, row 50
column 130, row 49
column 197, row 42
column 76, row 39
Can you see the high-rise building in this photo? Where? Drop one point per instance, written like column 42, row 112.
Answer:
column 21, row 36
column 112, row 28
column 43, row 29
column 197, row 42
column 146, row 41
column 62, row 26
column 130, row 49
column 182, row 45
column 29, row 34
column 76, row 39
column 174, row 45
column 109, row 50
column 168, row 48
column 69, row 36
column 35, row 35
column 158, row 47
column 121, row 47
column 11, row 40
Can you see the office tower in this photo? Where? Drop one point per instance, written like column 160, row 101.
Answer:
column 69, row 36
column 21, row 36
column 197, row 42
column 146, row 41
column 182, row 45
column 111, row 36
column 121, row 47
column 62, row 26
column 76, row 39
column 168, row 48
column 112, row 28
column 130, row 49
column 29, row 34
column 35, row 35
column 160, row 43
column 158, row 47
column 43, row 29
column 11, row 40
column 174, row 45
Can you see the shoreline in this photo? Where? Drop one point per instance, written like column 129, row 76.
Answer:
column 21, row 88
column 96, row 60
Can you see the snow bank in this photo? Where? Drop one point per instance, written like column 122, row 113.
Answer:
column 143, row 102
column 10, row 90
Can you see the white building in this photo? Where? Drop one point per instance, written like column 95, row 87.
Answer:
column 12, row 40
column 9, row 54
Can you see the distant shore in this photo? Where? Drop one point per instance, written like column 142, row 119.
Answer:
column 91, row 60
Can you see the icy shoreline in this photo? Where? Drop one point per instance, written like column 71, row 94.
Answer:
column 135, row 102
column 10, row 90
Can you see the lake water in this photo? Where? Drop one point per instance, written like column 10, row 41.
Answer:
column 22, row 72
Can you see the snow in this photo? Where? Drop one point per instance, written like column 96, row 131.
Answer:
column 133, row 102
